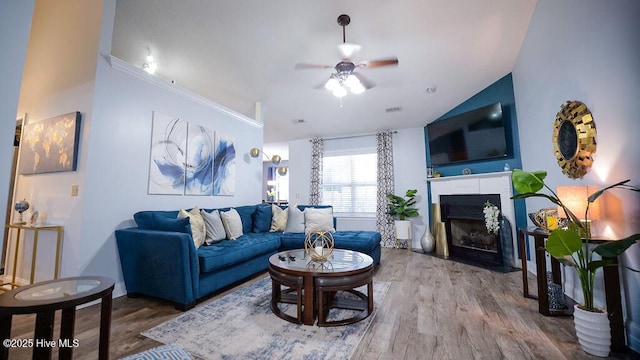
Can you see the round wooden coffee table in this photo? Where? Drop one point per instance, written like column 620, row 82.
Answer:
column 316, row 283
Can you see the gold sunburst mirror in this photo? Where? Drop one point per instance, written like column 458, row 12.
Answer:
column 574, row 139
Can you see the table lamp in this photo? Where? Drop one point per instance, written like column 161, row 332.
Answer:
column 576, row 198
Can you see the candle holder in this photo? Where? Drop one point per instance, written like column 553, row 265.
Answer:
column 319, row 245
column 20, row 207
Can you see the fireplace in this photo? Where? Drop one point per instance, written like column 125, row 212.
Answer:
column 467, row 235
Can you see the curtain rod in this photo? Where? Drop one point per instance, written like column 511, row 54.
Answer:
column 353, row 136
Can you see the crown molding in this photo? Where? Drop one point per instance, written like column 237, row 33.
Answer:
column 125, row 67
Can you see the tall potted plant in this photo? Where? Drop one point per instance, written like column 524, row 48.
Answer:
column 402, row 208
column 570, row 247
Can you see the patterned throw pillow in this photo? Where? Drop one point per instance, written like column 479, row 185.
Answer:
column 198, row 231
column 214, row 227
column 278, row 218
column 232, row 223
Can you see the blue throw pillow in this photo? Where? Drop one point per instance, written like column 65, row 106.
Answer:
column 246, row 216
column 167, row 224
column 262, row 218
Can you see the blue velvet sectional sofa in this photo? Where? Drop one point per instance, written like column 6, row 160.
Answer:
column 166, row 264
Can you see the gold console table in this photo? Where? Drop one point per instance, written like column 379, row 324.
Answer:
column 36, row 231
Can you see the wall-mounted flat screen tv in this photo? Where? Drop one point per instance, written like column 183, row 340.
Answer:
column 474, row 135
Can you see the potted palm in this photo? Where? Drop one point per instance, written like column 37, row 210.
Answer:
column 570, row 247
column 402, row 208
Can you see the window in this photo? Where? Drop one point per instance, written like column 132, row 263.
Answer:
column 349, row 180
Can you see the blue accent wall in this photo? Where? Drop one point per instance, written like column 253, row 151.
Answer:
column 500, row 91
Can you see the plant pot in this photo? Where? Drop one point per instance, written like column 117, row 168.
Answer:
column 403, row 229
column 593, row 331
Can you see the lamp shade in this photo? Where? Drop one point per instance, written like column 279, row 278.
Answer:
column 576, row 198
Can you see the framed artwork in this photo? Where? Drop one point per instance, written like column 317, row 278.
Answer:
column 224, row 165
column 199, row 160
column 50, row 145
column 168, row 155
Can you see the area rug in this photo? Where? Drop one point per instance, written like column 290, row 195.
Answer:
column 240, row 325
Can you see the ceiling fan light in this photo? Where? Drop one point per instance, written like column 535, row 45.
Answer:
column 332, row 84
column 358, row 89
column 339, row 92
column 352, row 81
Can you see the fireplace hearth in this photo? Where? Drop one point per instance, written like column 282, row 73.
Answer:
column 467, row 235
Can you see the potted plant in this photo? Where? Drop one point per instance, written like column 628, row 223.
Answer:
column 570, row 247
column 402, row 208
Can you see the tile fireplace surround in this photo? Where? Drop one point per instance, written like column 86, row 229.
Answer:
column 489, row 183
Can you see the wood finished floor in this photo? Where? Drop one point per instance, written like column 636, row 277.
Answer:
column 435, row 309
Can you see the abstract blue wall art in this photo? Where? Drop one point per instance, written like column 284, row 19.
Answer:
column 168, row 155
column 199, row 161
column 224, row 165
column 50, row 145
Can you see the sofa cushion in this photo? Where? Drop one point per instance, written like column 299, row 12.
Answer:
column 362, row 241
column 227, row 253
column 214, row 227
column 318, row 219
column 262, row 218
column 144, row 219
column 295, row 220
column 232, row 223
column 278, row 218
column 162, row 223
column 198, row 231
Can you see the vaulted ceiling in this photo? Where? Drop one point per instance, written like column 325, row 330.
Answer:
column 239, row 53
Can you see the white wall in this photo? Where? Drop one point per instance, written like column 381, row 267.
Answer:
column 410, row 173
column 114, row 159
column 591, row 56
column 15, row 25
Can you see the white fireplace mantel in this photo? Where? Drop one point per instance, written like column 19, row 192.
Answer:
column 488, row 183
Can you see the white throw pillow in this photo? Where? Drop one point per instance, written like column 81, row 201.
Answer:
column 232, row 223
column 278, row 218
column 295, row 220
column 198, row 231
column 214, row 227
column 318, row 219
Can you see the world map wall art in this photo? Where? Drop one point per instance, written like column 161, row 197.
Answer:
column 190, row 159
column 50, row 145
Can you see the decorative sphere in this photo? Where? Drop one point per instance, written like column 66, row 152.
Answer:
column 319, row 245
column 275, row 159
column 282, row 170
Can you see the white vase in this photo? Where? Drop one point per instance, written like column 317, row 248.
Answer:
column 593, row 331
column 427, row 242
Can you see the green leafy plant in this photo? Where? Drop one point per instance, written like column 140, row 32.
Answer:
column 402, row 207
column 570, row 245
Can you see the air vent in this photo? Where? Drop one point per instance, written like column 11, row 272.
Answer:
column 298, row 121
column 393, row 109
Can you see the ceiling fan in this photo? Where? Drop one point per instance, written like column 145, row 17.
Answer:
column 345, row 77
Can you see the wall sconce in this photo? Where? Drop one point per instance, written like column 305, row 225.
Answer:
column 275, row 160
column 576, row 199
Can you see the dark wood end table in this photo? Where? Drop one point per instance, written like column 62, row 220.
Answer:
column 43, row 299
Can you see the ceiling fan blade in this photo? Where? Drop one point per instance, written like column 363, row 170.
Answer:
column 303, row 66
column 378, row 63
column 368, row 84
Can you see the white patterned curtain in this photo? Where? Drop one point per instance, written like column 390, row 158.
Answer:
column 315, row 187
column 384, row 222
